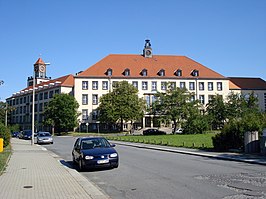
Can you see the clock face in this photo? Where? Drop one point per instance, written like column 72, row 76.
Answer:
column 42, row 68
column 148, row 52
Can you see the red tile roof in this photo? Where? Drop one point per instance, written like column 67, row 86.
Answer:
column 136, row 63
column 39, row 61
column 247, row 83
column 67, row 81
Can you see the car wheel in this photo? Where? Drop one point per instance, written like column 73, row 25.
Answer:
column 81, row 168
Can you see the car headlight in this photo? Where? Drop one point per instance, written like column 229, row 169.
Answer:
column 113, row 155
column 88, row 157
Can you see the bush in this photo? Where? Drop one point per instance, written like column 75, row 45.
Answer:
column 196, row 125
column 231, row 137
column 5, row 134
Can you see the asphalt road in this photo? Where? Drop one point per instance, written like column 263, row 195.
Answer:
column 144, row 173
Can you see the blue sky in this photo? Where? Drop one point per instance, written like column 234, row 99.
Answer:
column 228, row 36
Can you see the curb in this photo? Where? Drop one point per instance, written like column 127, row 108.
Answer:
column 250, row 161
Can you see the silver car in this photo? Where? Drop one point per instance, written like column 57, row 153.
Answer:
column 44, row 138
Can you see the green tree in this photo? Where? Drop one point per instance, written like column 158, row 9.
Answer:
column 175, row 105
column 122, row 104
column 216, row 111
column 2, row 112
column 61, row 112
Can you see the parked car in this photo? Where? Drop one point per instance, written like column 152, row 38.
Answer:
column 179, row 130
column 94, row 152
column 44, row 138
column 15, row 134
column 26, row 134
column 153, row 132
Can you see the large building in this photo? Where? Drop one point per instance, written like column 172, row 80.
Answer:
column 149, row 73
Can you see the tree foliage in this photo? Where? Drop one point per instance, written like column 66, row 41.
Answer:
column 61, row 112
column 122, row 104
column 175, row 105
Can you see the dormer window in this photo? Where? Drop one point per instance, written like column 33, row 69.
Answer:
column 161, row 72
column 127, row 72
column 195, row 73
column 144, row 72
column 109, row 72
column 178, row 72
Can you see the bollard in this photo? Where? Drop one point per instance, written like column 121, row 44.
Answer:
column 1, row 145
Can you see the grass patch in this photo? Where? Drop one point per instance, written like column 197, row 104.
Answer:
column 4, row 157
column 199, row 141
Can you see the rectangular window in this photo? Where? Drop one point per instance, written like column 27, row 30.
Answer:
column 84, row 99
column 85, row 85
column 192, row 99
column 144, row 85
column 210, row 86
column 219, row 86
column 51, row 94
column 24, row 99
column 40, row 107
column 46, row 95
column 41, row 96
column 210, row 97
column 20, row 100
column 182, row 84
column 94, row 115
column 135, row 84
column 56, row 91
column 201, row 86
column 148, row 102
column 94, row 99
column 163, row 85
column 173, row 85
column 94, row 85
column 192, row 86
column 201, row 99
column 105, row 85
column 153, row 86
column 84, row 114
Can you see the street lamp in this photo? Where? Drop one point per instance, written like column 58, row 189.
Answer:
column 33, row 107
column 87, row 124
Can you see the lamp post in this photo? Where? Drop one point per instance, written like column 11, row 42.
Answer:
column 6, row 115
column 33, row 107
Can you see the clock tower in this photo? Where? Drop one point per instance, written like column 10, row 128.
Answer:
column 147, row 51
column 39, row 72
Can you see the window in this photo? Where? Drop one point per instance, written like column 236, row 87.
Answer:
column 163, row 85
column 105, row 85
column 20, row 100
column 40, row 107
column 144, row 72
column 182, row 84
column 40, row 96
column 84, row 114
column 178, row 72
column 161, row 72
column 109, row 72
column 94, row 85
column 210, row 86
column 201, row 99
column 147, row 99
column 192, row 99
column 127, row 72
column 192, row 86
column 24, row 99
column 154, row 86
column 51, row 94
column 173, row 85
column 46, row 95
column 219, row 86
column 195, row 73
column 56, row 91
column 84, row 99
column 94, row 115
column 94, row 99
column 210, row 97
column 201, row 86
column 144, row 85
column 135, row 84
column 85, row 85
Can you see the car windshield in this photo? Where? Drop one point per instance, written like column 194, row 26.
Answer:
column 44, row 134
column 93, row 143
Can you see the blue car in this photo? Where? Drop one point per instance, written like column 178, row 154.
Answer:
column 94, row 152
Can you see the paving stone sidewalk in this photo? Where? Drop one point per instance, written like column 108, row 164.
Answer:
column 33, row 172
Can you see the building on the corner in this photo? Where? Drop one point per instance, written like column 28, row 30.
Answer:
column 45, row 88
column 149, row 73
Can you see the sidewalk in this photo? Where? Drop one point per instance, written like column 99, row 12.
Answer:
column 239, row 157
column 33, row 172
